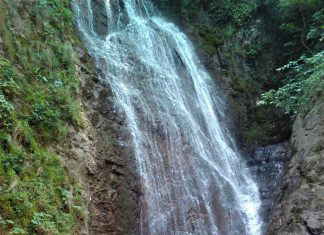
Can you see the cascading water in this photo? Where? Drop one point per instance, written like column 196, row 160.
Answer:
column 192, row 178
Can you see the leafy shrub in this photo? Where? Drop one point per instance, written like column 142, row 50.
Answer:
column 34, row 192
column 47, row 120
column 230, row 11
column 305, row 81
column 6, row 109
column 242, row 12
column 8, row 88
column 233, row 12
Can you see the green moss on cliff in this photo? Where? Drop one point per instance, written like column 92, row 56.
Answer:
column 38, row 98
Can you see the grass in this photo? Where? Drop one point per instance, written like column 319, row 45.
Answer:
column 38, row 99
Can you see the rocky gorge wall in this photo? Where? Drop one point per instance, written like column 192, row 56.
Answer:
column 300, row 198
column 288, row 167
column 99, row 156
column 289, row 173
column 52, row 76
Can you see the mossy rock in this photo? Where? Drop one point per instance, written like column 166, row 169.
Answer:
column 212, row 39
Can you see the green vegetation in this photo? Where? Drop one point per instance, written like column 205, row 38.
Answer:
column 38, row 89
column 38, row 98
column 237, row 12
column 306, row 81
column 212, row 37
column 262, row 36
column 302, row 27
column 232, row 11
column 294, row 27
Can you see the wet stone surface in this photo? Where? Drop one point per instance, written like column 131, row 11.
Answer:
column 267, row 164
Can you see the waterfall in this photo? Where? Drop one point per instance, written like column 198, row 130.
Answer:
column 193, row 180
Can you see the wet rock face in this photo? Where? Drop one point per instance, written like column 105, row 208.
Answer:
column 266, row 165
column 100, row 157
column 100, row 17
column 300, row 201
column 114, row 187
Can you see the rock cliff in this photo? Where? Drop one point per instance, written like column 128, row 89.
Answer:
column 300, row 199
column 290, row 175
column 99, row 154
column 100, row 157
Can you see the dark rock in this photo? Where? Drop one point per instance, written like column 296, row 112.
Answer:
column 101, row 160
column 300, row 201
column 223, row 62
column 266, row 165
column 100, row 17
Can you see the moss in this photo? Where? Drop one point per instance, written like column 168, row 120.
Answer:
column 253, row 134
column 240, row 85
column 5, row 34
column 38, row 99
column 253, row 50
column 212, row 39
